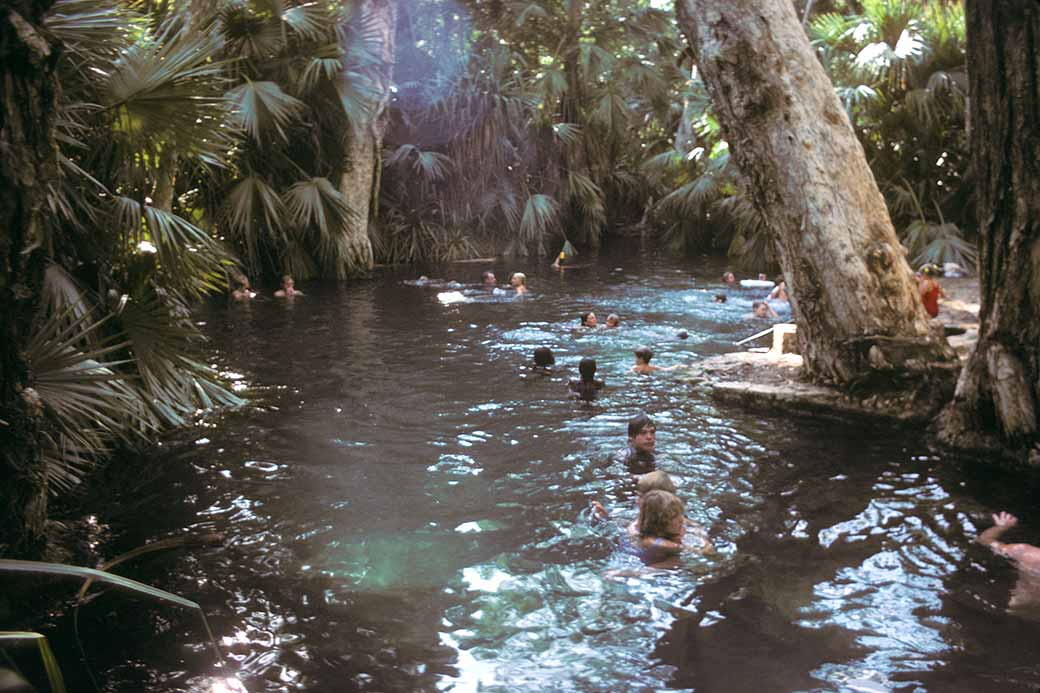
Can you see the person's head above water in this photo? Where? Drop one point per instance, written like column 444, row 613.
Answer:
column 543, row 357
column 762, row 277
column 588, row 319
column 287, row 282
column 660, row 514
column 729, row 277
column 642, row 433
column 587, row 368
column 644, row 354
column 720, row 298
column 488, row 277
column 760, row 309
column 613, row 320
column 654, row 481
column 518, row 279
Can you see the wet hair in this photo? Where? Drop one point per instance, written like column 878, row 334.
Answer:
column 654, row 481
column 779, row 279
column 543, row 357
column 755, row 305
column 637, row 423
column 727, row 274
column 488, row 274
column 683, row 334
column 657, row 510
column 521, row 276
column 720, row 298
column 587, row 368
column 644, row 353
column 584, row 317
column 614, row 318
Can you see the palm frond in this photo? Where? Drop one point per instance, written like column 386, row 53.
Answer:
column 541, row 214
column 258, row 107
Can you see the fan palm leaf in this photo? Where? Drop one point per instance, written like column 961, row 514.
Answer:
column 259, row 107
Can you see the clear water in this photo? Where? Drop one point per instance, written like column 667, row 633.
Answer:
column 406, row 508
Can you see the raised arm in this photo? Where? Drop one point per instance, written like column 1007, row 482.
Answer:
column 1002, row 522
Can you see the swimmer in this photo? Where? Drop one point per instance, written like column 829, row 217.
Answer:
column 683, row 334
column 543, row 359
column 288, row 289
column 588, row 386
column 643, row 356
column 242, row 291
column 661, row 527
column 519, row 282
column 638, row 456
column 729, row 278
column 720, row 298
column 613, row 320
column 762, row 277
column 588, row 319
column 488, row 279
column 1025, row 597
column 779, row 292
column 761, row 309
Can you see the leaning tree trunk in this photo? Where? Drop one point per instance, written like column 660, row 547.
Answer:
column 359, row 182
column 27, row 164
column 852, row 293
column 998, row 394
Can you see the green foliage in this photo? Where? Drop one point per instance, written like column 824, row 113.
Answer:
column 55, row 679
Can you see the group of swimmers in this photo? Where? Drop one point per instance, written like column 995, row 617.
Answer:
column 244, row 292
column 658, row 533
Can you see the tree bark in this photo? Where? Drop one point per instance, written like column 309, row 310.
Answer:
column 997, row 396
column 860, row 321
column 28, row 162
column 359, row 182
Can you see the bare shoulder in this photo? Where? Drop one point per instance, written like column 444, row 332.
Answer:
column 1026, row 554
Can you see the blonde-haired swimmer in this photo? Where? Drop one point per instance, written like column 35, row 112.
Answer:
column 519, row 282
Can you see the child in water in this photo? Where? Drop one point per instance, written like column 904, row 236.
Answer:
column 288, row 289
column 543, row 359
column 643, row 356
column 660, row 529
column 659, row 481
column 587, row 387
column 613, row 320
column 519, row 282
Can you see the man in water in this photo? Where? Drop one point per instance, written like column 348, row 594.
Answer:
column 288, row 289
column 1025, row 597
column 760, row 309
column 489, row 279
column 638, row 457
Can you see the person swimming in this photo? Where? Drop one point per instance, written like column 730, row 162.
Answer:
column 519, row 282
column 613, row 320
column 643, row 355
column 638, row 456
column 729, row 278
column 488, row 279
column 587, row 387
column 720, row 298
column 588, row 319
column 543, row 358
column 288, row 289
column 761, row 309
column 660, row 528
column 242, row 291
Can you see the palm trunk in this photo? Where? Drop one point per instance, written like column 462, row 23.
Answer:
column 359, row 183
column 852, row 293
column 997, row 397
column 27, row 108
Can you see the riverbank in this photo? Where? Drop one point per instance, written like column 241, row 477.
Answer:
column 771, row 382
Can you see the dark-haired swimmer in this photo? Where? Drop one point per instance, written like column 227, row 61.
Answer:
column 543, row 358
column 761, row 309
column 588, row 386
column 720, row 298
column 642, row 365
column 638, row 456
column 588, row 319
column 488, row 279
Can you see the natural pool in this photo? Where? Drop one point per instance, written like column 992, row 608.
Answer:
column 406, row 508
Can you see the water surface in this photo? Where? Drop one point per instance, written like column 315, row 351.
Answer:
column 406, row 508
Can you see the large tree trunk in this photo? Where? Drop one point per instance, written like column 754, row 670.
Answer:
column 27, row 165
column 997, row 397
column 852, row 293
column 359, row 183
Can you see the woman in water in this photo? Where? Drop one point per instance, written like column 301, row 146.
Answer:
column 661, row 527
column 519, row 282
column 588, row 319
column 587, row 387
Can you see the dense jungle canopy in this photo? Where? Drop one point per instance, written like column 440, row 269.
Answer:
column 182, row 144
